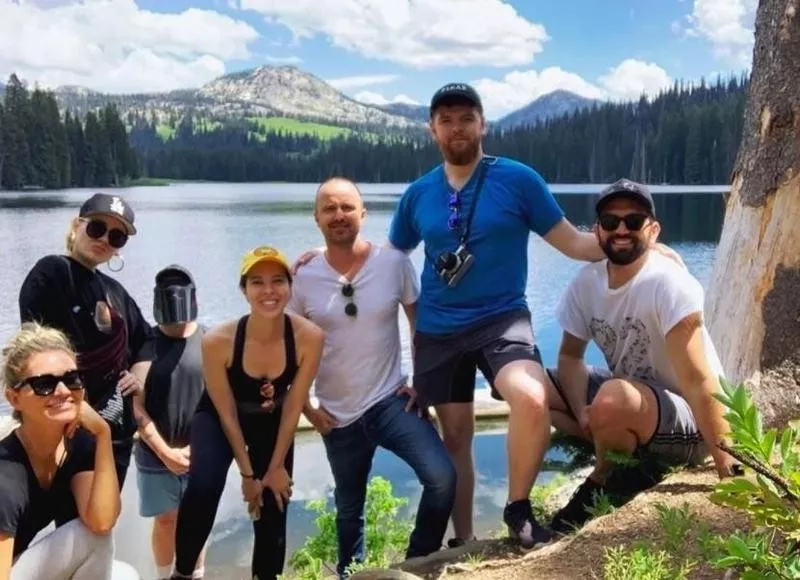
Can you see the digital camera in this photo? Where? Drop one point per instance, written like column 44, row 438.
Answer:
column 451, row 266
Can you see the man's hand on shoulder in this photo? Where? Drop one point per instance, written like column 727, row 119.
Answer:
column 665, row 250
column 305, row 258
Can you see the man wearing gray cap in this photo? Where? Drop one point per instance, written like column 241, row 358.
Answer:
column 656, row 398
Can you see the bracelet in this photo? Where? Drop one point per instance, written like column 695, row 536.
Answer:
column 251, row 476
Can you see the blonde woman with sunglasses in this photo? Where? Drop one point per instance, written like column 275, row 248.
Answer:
column 114, row 342
column 56, row 466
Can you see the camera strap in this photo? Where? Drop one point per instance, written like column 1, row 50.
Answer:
column 484, row 168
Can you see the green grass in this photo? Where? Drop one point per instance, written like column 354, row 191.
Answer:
column 270, row 125
column 288, row 125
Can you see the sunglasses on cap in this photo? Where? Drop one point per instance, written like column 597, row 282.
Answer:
column 45, row 385
column 633, row 221
column 96, row 229
column 350, row 308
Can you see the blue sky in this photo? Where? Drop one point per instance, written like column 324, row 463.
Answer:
column 382, row 50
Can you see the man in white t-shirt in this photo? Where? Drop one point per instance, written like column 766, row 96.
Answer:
column 645, row 313
column 354, row 291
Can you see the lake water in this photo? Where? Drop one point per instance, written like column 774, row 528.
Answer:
column 207, row 228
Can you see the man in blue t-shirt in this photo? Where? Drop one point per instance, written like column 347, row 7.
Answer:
column 474, row 214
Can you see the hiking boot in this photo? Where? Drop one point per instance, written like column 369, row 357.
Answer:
column 621, row 486
column 522, row 525
column 626, row 481
column 576, row 512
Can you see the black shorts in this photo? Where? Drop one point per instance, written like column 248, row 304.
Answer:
column 676, row 440
column 445, row 365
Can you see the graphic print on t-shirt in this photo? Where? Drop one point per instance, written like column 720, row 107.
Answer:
column 636, row 340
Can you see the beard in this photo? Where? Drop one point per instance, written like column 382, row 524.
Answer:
column 624, row 256
column 341, row 235
column 461, row 156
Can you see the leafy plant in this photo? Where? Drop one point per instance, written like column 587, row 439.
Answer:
column 643, row 563
column 540, row 497
column 676, row 524
column 771, row 498
column 602, row 505
column 386, row 534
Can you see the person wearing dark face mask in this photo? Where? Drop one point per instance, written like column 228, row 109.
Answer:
column 112, row 339
column 656, row 398
column 172, row 391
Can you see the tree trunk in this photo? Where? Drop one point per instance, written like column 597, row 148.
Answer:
column 753, row 302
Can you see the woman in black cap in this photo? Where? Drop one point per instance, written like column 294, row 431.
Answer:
column 114, row 342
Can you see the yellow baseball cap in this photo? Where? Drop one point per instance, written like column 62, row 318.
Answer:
column 264, row 254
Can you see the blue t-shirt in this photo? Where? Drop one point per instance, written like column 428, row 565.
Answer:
column 514, row 200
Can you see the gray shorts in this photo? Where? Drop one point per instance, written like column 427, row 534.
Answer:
column 676, row 440
column 445, row 365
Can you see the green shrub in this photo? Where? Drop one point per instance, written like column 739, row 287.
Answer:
column 386, row 534
column 771, row 498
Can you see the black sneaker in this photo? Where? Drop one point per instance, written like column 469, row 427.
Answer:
column 627, row 481
column 522, row 525
column 458, row 542
column 576, row 512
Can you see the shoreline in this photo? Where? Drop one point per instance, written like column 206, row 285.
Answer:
column 486, row 409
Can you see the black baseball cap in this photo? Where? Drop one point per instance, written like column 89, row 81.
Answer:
column 174, row 275
column 453, row 93
column 630, row 189
column 109, row 205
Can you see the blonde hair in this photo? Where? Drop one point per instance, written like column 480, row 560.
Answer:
column 70, row 239
column 32, row 338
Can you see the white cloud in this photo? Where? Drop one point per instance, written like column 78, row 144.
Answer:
column 113, row 45
column 415, row 33
column 378, row 99
column 727, row 24
column 628, row 80
column 361, row 81
column 633, row 78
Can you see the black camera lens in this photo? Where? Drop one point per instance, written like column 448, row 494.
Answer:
column 447, row 261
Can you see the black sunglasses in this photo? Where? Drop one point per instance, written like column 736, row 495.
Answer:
column 350, row 308
column 96, row 229
column 45, row 385
column 633, row 221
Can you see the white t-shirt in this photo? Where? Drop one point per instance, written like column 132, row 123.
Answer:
column 361, row 359
column 630, row 324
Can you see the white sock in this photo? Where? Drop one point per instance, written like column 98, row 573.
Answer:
column 164, row 571
column 198, row 573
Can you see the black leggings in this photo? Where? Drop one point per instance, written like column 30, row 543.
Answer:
column 208, row 470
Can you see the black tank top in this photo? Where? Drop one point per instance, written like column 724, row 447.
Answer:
column 251, row 393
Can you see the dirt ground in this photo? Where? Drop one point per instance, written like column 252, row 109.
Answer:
column 582, row 554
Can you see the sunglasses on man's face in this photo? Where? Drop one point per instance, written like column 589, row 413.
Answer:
column 96, row 229
column 350, row 308
column 633, row 221
column 45, row 385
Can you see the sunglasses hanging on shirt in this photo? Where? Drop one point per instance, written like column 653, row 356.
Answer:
column 350, row 308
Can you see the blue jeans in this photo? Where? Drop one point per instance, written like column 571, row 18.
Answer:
column 350, row 451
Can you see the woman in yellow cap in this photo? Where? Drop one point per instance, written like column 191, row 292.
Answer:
column 258, row 371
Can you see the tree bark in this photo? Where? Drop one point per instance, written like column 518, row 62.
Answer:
column 753, row 303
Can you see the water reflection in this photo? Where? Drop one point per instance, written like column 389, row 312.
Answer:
column 232, row 533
